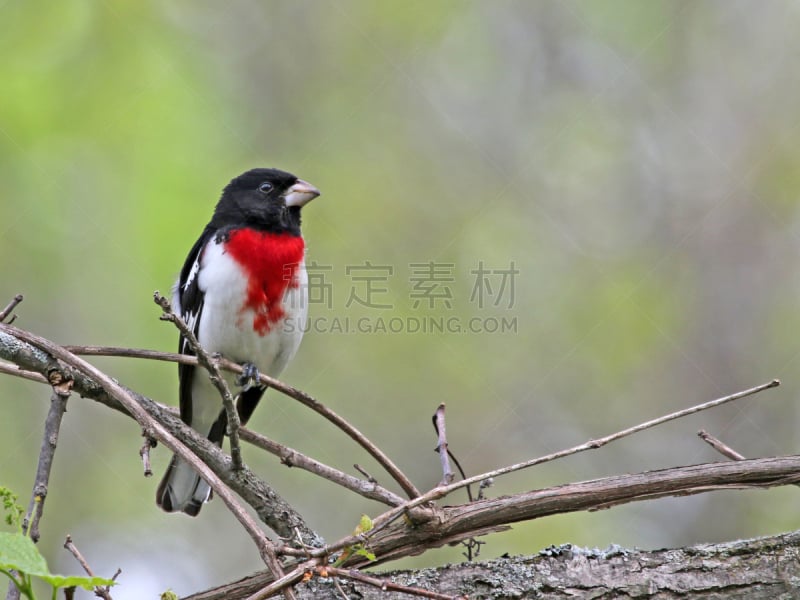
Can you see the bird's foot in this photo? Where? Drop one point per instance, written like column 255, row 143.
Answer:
column 249, row 377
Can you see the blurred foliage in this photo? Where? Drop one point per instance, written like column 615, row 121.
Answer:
column 636, row 162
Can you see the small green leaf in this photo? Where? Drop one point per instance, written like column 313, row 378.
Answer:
column 18, row 552
column 13, row 510
column 364, row 525
column 169, row 595
column 365, row 553
column 87, row 583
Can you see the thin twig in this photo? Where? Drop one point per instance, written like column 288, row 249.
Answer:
column 441, row 447
column 122, row 352
column 484, row 485
column 365, row 473
column 390, row 516
column 719, row 446
column 596, row 443
column 297, row 459
column 126, row 399
column 10, row 306
column 52, row 426
column 383, row 584
column 101, row 591
column 11, row 369
column 284, row 582
column 402, row 480
column 144, row 452
column 214, row 374
column 293, row 458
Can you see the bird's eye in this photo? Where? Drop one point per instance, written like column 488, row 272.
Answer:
column 265, row 188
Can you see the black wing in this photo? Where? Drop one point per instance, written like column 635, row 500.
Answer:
column 189, row 301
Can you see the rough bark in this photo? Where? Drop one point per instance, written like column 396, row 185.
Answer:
column 756, row 569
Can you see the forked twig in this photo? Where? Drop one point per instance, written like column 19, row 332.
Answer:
column 402, row 480
column 52, row 426
column 101, row 591
column 292, row 458
column 390, row 516
column 289, row 456
column 214, row 374
column 10, row 307
column 125, row 398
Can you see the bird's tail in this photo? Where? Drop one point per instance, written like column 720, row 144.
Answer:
column 182, row 489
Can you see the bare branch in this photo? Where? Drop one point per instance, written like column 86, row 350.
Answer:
column 719, row 446
column 402, row 480
column 214, row 374
column 144, row 452
column 390, row 516
column 101, row 591
column 365, row 473
column 764, row 567
column 369, row 489
column 10, row 307
column 341, row 423
column 282, row 583
column 293, row 458
column 441, row 447
column 52, row 426
column 454, row 523
column 432, row 525
column 90, row 382
column 122, row 352
column 440, row 492
column 10, row 369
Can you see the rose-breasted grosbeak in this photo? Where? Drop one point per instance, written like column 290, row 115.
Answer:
column 243, row 291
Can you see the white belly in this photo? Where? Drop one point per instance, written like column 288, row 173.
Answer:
column 226, row 326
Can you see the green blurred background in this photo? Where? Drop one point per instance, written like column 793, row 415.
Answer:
column 637, row 163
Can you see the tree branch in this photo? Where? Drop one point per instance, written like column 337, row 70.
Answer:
column 368, row 488
column 757, row 568
column 305, row 399
column 10, row 307
column 441, row 446
column 719, row 446
column 100, row 591
column 52, row 426
column 429, row 525
column 293, row 458
column 387, row 518
column 453, row 523
column 271, row 508
column 214, row 375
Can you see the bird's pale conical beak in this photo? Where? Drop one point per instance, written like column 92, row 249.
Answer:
column 300, row 194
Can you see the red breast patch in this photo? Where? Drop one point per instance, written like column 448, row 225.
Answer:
column 270, row 261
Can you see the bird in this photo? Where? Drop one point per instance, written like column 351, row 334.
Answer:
column 243, row 291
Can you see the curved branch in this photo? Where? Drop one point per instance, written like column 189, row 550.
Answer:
column 305, row 399
column 757, row 568
column 289, row 456
column 271, row 508
column 293, row 458
column 454, row 523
